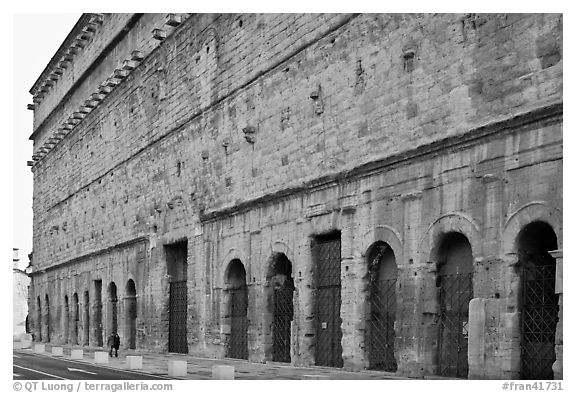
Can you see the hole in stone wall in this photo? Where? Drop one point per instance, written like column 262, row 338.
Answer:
column 240, row 23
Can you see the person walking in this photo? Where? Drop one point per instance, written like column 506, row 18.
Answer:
column 113, row 343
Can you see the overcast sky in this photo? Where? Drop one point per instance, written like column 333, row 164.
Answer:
column 37, row 37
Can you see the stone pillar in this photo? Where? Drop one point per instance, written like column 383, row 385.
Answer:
column 510, row 346
column 351, row 311
column 557, row 367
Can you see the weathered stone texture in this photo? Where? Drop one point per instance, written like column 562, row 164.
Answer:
column 248, row 135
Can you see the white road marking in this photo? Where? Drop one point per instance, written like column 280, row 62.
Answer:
column 39, row 372
column 82, row 371
column 14, row 375
column 14, row 356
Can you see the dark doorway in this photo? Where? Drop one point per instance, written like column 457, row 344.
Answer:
column 236, row 279
column 39, row 323
column 112, row 308
column 539, row 302
column 455, row 273
column 177, row 265
column 75, row 319
column 86, row 324
column 47, row 320
column 66, row 320
column 283, row 309
column 382, row 276
column 131, row 313
column 327, row 257
column 98, row 331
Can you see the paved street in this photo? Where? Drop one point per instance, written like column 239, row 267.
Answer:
column 29, row 365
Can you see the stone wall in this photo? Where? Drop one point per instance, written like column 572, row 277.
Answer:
column 247, row 135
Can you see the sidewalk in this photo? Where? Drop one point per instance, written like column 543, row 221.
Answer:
column 201, row 368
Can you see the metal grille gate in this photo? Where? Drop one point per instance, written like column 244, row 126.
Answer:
column 328, row 324
column 455, row 295
column 238, row 347
column 539, row 318
column 177, row 341
column 281, row 328
column 381, row 325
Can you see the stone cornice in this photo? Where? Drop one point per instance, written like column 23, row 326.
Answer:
column 105, row 88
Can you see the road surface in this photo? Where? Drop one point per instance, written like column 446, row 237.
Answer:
column 27, row 365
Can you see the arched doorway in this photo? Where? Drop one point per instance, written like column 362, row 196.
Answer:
column 38, row 324
column 66, row 320
column 86, row 324
column 131, row 309
column 75, row 318
column 47, row 320
column 236, row 286
column 280, row 297
column 538, row 300
column 455, row 274
column 382, row 277
column 112, row 308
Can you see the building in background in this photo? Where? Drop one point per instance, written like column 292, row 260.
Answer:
column 360, row 191
column 20, row 282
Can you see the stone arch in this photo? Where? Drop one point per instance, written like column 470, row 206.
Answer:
column 431, row 250
column 224, row 265
column 66, row 320
column 235, row 310
column 47, row 327
column 458, row 222
column 381, row 287
column 112, row 306
column 131, row 310
column 278, row 312
column 38, row 324
column 454, row 283
column 75, row 319
column 386, row 234
column 530, row 212
column 86, row 319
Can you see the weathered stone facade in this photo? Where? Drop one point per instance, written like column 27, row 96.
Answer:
column 206, row 155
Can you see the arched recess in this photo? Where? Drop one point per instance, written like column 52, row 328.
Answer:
column 47, row 319
column 382, row 280
column 385, row 234
column 538, row 300
column 451, row 222
column 537, row 211
column 112, row 308
column 75, row 319
column 130, row 307
column 236, row 303
column 450, row 238
column 38, row 324
column 86, row 319
column 279, row 310
column 530, row 212
column 66, row 321
column 455, row 264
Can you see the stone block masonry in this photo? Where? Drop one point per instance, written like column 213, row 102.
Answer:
column 183, row 211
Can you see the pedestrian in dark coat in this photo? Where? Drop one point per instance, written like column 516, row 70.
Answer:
column 113, row 343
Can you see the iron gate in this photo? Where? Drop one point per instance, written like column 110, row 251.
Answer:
column 381, row 325
column 238, row 347
column 539, row 318
column 455, row 295
column 281, row 326
column 177, row 341
column 328, row 324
